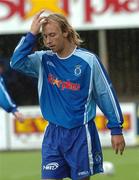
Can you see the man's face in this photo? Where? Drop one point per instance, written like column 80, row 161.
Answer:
column 54, row 38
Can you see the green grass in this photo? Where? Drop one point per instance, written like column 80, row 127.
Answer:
column 126, row 166
column 26, row 165
column 20, row 165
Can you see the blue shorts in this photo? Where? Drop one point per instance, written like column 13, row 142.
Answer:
column 75, row 153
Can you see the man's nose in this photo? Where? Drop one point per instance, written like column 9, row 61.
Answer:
column 48, row 41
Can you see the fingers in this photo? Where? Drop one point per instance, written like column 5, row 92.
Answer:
column 119, row 148
column 39, row 18
column 118, row 144
column 37, row 22
column 19, row 116
column 39, row 14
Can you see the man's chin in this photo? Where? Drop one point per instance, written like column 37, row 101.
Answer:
column 54, row 50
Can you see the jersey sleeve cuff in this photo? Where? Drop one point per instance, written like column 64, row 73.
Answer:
column 31, row 37
column 14, row 110
column 116, row 131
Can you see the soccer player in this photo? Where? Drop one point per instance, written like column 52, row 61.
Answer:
column 71, row 82
column 5, row 100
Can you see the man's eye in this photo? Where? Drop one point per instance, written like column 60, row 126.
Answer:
column 52, row 35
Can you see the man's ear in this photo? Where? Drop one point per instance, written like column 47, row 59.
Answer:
column 65, row 34
column 44, row 42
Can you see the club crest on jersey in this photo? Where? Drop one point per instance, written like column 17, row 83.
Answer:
column 98, row 157
column 77, row 70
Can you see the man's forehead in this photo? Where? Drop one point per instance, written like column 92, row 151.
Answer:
column 52, row 26
column 52, row 22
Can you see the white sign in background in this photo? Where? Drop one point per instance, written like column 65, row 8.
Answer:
column 82, row 14
column 9, row 139
column 104, row 14
column 131, row 134
column 3, row 130
column 25, row 140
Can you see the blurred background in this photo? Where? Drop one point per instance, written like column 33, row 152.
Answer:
column 110, row 29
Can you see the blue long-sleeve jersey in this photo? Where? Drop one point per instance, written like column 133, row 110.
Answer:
column 5, row 101
column 69, row 88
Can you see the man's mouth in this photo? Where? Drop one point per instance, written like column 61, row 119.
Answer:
column 51, row 47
